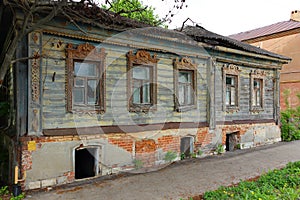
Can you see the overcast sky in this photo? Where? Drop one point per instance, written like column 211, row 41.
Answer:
column 227, row 17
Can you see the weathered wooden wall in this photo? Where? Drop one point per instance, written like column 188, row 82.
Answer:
column 54, row 98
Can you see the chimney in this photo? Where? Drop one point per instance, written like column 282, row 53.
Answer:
column 295, row 15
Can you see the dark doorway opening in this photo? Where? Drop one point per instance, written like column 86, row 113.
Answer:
column 231, row 141
column 85, row 163
column 186, row 146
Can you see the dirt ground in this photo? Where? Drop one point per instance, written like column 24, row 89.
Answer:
column 182, row 179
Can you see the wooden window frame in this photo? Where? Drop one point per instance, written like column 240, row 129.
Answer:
column 140, row 59
column 185, row 64
column 260, row 75
column 231, row 70
column 85, row 53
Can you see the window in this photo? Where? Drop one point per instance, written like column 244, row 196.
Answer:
column 231, row 88
column 86, row 78
column 141, row 85
column 185, row 84
column 257, row 90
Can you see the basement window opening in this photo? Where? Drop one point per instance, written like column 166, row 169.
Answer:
column 187, row 146
column 86, row 162
column 231, row 141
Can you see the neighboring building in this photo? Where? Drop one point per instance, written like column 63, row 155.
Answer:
column 282, row 38
column 116, row 93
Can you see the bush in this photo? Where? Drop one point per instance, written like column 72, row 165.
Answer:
column 290, row 124
column 290, row 121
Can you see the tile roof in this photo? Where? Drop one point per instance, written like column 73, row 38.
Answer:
column 266, row 30
column 200, row 34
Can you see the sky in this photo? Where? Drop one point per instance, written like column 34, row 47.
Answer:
column 227, row 17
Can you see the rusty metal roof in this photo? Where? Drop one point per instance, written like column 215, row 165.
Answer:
column 266, row 30
column 200, row 34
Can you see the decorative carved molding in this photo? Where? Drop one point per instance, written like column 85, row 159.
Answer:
column 35, row 77
column 231, row 69
column 142, row 57
column 185, row 63
column 84, row 52
column 258, row 73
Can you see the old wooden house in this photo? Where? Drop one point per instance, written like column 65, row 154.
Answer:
column 92, row 99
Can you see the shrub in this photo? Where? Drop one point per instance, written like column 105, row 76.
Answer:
column 290, row 121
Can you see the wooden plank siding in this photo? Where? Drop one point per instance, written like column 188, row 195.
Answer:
column 54, row 98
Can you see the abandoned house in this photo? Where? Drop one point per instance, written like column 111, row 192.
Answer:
column 98, row 96
column 281, row 38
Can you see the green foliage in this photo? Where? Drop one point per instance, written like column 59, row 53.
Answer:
column 199, row 152
column 182, row 156
column 4, row 191
column 138, row 164
column 220, row 149
column 276, row 184
column 170, row 156
column 290, row 120
column 134, row 9
column 4, row 194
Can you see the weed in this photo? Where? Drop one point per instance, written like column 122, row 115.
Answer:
column 220, row 149
column 138, row 164
column 170, row 156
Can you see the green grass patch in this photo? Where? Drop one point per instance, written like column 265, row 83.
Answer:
column 276, row 184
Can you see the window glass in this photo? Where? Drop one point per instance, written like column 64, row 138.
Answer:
column 141, row 73
column 78, row 95
column 91, row 92
column 85, row 69
column 141, row 85
column 231, row 91
column 185, row 88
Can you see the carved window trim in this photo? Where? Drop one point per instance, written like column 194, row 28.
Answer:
column 185, row 64
column 85, row 53
column 231, row 70
column 140, row 59
column 260, row 75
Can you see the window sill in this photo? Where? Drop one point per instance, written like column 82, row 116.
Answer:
column 185, row 108
column 88, row 109
column 141, row 108
column 232, row 109
column 256, row 109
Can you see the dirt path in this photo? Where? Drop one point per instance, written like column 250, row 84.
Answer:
column 183, row 179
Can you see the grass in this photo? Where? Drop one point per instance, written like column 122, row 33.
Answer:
column 276, row 184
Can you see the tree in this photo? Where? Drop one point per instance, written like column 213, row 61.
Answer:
column 134, row 9
column 33, row 10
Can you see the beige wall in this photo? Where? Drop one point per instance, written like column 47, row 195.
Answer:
column 290, row 73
